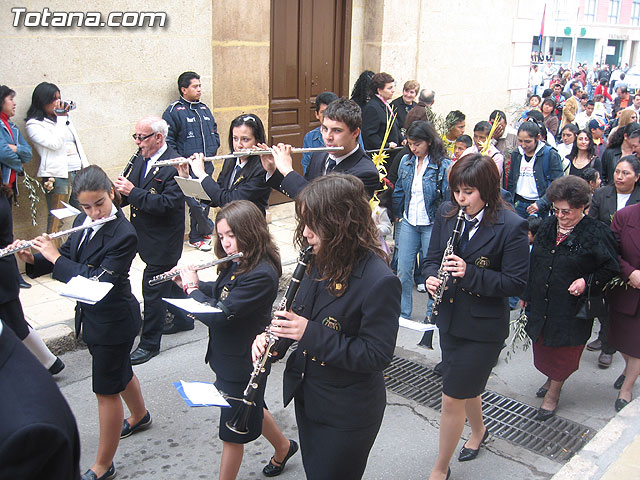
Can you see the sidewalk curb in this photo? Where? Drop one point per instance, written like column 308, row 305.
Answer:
column 59, row 338
column 604, row 456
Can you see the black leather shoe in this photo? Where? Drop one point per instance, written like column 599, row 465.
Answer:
column 619, row 381
column 438, row 369
column 595, row 345
column 140, row 355
column 273, row 470
column 448, row 473
column 24, row 283
column 109, row 474
column 543, row 414
column 171, row 328
column 57, row 367
column 143, row 424
column 620, row 404
column 542, row 391
column 467, row 454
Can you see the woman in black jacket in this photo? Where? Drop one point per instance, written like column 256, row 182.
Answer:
column 109, row 327
column 571, row 252
column 244, row 292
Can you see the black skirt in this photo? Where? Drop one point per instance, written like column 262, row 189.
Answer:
column 466, row 365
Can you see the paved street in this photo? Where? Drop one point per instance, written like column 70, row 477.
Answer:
column 183, row 442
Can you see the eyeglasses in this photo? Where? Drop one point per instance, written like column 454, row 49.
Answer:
column 142, row 138
column 558, row 211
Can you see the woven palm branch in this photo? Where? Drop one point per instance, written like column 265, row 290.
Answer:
column 520, row 339
column 33, row 186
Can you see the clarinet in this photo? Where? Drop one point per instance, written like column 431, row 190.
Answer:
column 240, row 420
column 444, row 275
column 127, row 168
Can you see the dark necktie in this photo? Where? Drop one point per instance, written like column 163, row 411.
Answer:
column 143, row 172
column 234, row 174
column 85, row 240
column 331, row 164
column 464, row 240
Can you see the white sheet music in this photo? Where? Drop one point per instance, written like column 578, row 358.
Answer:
column 192, row 306
column 192, row 188
column 67, row 211
column 82, row 289
column 420, row 327
column 201, row 394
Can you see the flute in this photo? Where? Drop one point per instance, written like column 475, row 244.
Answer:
column 9, row 251
column 163, row 277
column 172, row 162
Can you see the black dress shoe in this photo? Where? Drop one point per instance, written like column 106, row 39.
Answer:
column 108, row 475
column 171, row 328
column 140, row 355
column 438, row 369
column 604, row 360
column 448, row 473
column 619, row 381
column 273, row 470
column 24, row 283
column 543, row 414
column 542, row 391
column 595, row 345
column 467, row 454
column 620, row 404
column 128, row 430
column 57, row 367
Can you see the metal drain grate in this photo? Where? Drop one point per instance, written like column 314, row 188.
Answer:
column 557, row 438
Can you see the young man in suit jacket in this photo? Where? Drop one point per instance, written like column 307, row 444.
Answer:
column 340, row 128
column 157, row 213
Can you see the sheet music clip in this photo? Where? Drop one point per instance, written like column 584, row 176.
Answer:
column 192, row 187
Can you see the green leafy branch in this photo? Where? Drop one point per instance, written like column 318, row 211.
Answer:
column 33, row 186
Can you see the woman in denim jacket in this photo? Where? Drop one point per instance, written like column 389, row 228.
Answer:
column 421, row 186
column 14, row 149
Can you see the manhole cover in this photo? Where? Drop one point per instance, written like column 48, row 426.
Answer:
column 557, row 438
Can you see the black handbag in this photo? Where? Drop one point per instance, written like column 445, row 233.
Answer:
column 591, row 306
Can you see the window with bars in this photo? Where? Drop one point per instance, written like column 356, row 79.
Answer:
column 590, row 11
column 614, row 11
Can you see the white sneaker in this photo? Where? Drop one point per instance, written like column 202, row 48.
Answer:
column 200, row 245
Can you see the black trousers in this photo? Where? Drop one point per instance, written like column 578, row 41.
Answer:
column 603, row 335
column 155, row 309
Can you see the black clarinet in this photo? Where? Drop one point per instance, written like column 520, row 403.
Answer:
column 443, row 276
column 127, row 168
column 240, row 420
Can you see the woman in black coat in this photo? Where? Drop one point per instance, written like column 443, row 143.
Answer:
column 244, row 292
column 241, row 178
column 110, row 326
column 489, row 264
column 570, row 252
column 345, row 319
column 376, row 112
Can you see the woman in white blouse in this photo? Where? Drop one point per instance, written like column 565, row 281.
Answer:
column 56, row 141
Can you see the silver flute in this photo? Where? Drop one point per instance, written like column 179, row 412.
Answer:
column 10, row 251
column 172, row 162
column 165, row 277
column 443, row 275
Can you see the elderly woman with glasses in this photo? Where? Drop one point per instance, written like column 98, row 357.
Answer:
column 571, row 253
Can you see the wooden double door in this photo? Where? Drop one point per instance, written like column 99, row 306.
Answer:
column 310, row 41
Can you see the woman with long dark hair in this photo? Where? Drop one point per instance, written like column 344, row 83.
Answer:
column 489, row 264
column 55, row 139
column 241, row 178
column 361, row 92
column 419, row 190
column 625, row 141
column 110, row 326
column 244, row 292
column 583, row 154
column 14, row 149
column 345, row 319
